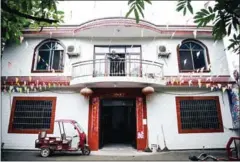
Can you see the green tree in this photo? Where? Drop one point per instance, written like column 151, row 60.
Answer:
column 225, row 16
column 20, row 14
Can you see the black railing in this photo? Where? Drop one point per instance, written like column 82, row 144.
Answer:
column 120, row 67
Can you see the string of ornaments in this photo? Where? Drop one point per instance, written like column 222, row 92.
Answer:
column 24, row 86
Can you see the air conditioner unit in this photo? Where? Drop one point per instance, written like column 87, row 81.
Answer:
column 162, row 51
column 73, row 51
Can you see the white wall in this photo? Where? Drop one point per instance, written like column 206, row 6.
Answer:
column 68, row 106
column 161, row 110
column 21, row 56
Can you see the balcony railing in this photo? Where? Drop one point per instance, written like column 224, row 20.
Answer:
column 120, row 68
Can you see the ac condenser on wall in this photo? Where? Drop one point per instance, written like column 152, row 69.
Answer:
column 73, row 51
column 162, row 51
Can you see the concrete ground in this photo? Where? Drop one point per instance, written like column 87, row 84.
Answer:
column 10, row 155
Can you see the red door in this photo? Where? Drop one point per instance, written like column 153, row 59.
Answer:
column 141, row 117
column 93, row 125
column 141, row 126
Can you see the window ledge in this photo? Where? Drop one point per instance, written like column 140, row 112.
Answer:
column 46, row 71
column 200, row 131
column 29, row 131
column 234, row 129
column 187, row 71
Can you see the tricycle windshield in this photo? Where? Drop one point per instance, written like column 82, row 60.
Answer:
column 79, row 127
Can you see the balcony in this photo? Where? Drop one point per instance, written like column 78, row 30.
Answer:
column 117, row 73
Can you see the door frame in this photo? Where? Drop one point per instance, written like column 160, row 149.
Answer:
column 141, row 114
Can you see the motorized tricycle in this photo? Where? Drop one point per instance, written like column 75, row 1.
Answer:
column 64, row 143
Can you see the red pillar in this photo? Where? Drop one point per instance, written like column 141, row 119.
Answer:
column 93, row 124
column 141, row 127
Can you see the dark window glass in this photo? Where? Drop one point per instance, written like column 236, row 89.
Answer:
column 186, row 60
column 46, row 46
column 43, row 60
column 192, row 56
column 57, row 60
column 199, row 60
column 50, row 56
column 32, row 114
column 199, row 114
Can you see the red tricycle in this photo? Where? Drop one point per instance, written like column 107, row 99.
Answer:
column 78, row 142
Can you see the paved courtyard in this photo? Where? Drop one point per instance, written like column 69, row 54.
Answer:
column 101, row 156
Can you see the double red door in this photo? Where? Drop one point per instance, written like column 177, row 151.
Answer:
column 141, row 123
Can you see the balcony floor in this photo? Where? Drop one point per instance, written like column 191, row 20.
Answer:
column 109, row 82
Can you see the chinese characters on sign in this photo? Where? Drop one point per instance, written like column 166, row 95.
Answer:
column 140, row 126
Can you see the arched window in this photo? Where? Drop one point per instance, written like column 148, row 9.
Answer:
column 49, row 56
column 192, row 56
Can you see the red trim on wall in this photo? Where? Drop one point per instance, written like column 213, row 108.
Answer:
column 65, row 80
column 119, row 22
column 180, row 130
column 11, row 80
column 224, row 80
column 31, row 131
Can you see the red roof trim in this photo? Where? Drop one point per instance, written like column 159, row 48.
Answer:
column 103, row 22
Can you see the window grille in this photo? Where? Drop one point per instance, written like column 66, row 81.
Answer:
column 34, row 114
column 199, row 114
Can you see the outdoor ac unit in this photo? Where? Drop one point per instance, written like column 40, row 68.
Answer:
column 162, row 51
column 73, row 51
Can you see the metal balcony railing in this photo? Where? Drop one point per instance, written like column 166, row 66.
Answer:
column 120, row 67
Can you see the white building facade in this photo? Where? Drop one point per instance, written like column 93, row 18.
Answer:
column 117, row 58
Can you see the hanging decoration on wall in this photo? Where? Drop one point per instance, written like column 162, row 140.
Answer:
column 199, row 83
column 234, row 108
column 173, row 34
column 9, row 65
column 195, row 34
column 86, row 92
column 23, row 84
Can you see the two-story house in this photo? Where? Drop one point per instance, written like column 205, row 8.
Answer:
column 147, row 85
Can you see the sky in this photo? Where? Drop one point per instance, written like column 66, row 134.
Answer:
column 159, row 13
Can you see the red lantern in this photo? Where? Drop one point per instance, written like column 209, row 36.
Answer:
column 86, row 92
column 148, row 90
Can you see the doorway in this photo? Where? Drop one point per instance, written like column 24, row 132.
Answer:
column 117, row 122
column 117, row 64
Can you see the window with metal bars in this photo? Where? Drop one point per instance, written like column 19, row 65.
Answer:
column 32, row 114
column 199, row 114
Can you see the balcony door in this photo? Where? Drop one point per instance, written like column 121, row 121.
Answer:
column 117, row 60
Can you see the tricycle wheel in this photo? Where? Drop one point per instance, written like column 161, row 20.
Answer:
column 86, row 150
column 45, row 152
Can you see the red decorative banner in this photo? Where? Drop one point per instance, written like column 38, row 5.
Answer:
column 140, row 127
column 93, row 134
